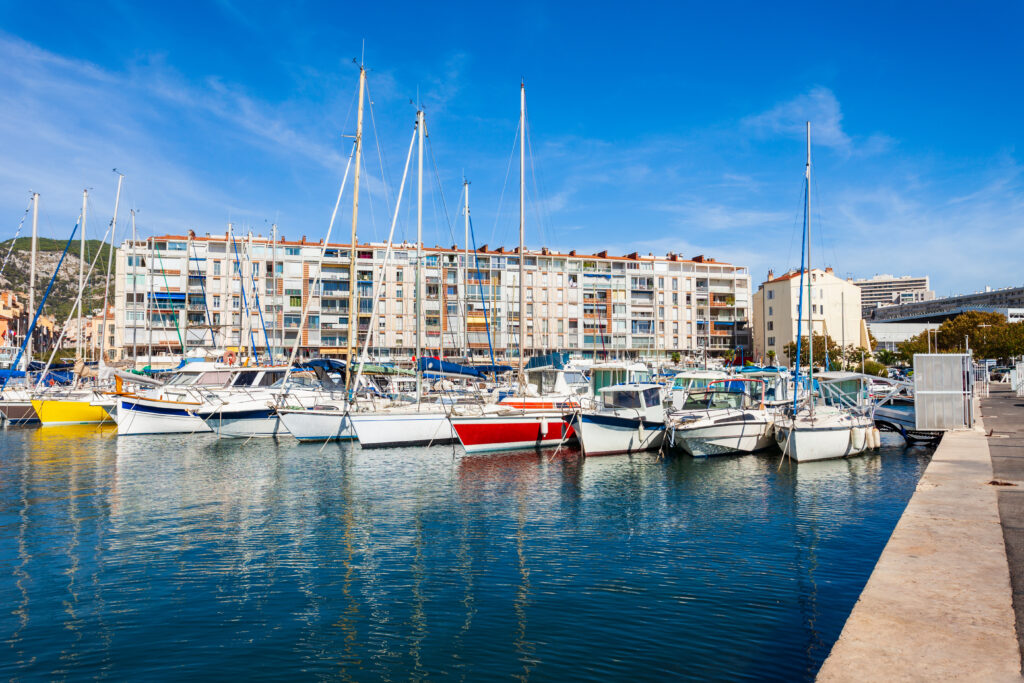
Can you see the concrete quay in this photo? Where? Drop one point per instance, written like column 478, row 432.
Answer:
column 939, row 604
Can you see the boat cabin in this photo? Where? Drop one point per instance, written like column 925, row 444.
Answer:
column 633, row 400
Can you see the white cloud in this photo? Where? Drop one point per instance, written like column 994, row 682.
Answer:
column 819, row 106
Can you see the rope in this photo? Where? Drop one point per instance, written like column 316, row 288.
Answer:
column 245, row 303
column 480, row 284
column 35, row 318
column 15, row 238
column 177, row 328
column 202, row 287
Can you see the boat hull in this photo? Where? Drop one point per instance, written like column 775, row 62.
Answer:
column 136, row 415
column 18, row 412
column 807, row 444
column 731, row 438
column 69, row 412
column 610, row 434
column 486, row 433
column 377, row 430
column 317, row 425
column 244, row 424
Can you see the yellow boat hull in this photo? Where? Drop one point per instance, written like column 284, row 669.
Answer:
column 63, row 412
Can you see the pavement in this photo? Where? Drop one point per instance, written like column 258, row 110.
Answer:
column 939, row 603
column 1003, row 415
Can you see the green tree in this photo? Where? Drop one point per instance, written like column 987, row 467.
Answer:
column 822, row 345
column 886, row 357
column 676, row 357
column 771, row 357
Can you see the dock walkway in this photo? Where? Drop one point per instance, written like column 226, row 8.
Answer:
column 938, row 604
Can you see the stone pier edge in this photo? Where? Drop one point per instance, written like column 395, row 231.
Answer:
column 938, row 604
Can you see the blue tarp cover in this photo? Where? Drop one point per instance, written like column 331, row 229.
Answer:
column 428, row 364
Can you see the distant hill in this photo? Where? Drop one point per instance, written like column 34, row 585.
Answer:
column 65, row 289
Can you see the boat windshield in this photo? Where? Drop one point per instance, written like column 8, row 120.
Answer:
column 215, row 378
column 623, row 399
column 714, row 398
column 690, row 382
column 184, row 379
column 297, row 380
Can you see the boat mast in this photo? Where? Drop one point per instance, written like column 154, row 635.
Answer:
column 810, row 302
column 110, row 261
column 465, row 272
column 419, row 256
column 273, row 297
column 352, row 315
column 81, row 277
column 522, row 230
column 32, row 278
column 149, row 305
column 188, row 270
column 132, row 270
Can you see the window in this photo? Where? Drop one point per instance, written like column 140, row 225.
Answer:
column 652, row 397
column 771, row 341
column 771, row 325
column 623, row 399
column 292, row 251
column 295, row 301
column 216, row 267
column 771, row 293
column 216, row 300
column 770, row 311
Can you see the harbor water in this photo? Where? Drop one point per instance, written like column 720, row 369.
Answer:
column 173, row 557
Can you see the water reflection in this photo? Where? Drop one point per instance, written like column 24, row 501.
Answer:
column 163, row 554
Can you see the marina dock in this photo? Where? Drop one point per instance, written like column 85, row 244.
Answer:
column 947, row 595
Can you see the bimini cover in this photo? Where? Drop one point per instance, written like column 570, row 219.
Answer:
column 443, row 367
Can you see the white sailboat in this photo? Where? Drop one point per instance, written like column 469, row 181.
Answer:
column 813, row 432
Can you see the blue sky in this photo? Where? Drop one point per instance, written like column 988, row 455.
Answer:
column 653, row 127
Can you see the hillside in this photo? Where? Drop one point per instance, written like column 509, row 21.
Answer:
column 65, row 289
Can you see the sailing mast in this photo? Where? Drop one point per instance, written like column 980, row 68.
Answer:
column 32, row 277
column 352, row 315
column 522, row 230
column 273, row 297
column 81, row 277
column 110, row 260
column 149, row 303
column 810, row 303
column 419, row 258
column 465, row 272
column 133, row 270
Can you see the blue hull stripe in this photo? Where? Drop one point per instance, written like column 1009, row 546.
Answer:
column 154, row 410
column 621, row 422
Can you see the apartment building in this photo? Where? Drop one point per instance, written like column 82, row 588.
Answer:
column 237, row 292
column 888, row 290
column 835, row 308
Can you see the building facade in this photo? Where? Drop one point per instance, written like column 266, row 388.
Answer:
column 1008, row 300
column 888, row 290
column 236, row 292
column 835, row 311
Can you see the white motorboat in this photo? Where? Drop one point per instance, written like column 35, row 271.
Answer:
column 728, row 423
column 689, row 381
column 631, row 418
